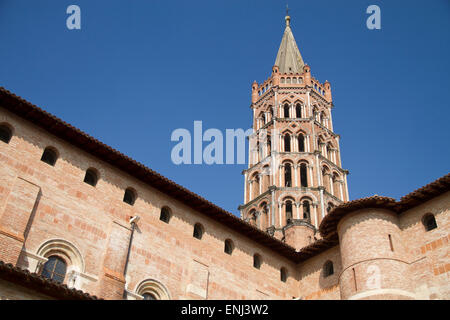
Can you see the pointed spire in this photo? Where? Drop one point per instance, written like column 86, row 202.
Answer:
column 289, row 59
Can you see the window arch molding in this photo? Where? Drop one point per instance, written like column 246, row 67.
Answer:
column 153, row 287
column 66, row 251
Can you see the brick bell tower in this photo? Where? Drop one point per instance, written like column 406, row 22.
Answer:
column 295, row 174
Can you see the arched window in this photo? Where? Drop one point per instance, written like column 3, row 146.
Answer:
column 298, row 110
column 283, row 274
column 152, row 290
column 149, row 296
column 329, row 147
column 198, row 231
column 316, row 114
column 257, row 261
column 326, row 179
column 287, row 143
column 256, row 182
column 286, row 111
column 328, row 269
column 5, row 133
column 306, row 210
column 265, row 216
column 429, row 222
column 287, row 175
column 251, row 216
column 336, row 186
column 49, row 156
column 229, row 247
column 288, row 210
column 301, row 143
column 269, row 145
column 91, row 177
column 54, row 269
column 303, row 175
column 165, row 215
column 323, row 119
column 262, row 117
column 129, row 196
column 319, row 144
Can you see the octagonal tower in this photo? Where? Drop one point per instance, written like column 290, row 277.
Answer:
column 295, row 174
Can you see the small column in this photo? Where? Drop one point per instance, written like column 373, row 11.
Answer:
column 298, row 205
column 280, row 174
column 260, row 183
column 296, row 174
column 331, row 185
column 280, row 208
column 245, row 187
column 311, row 181
column 316, row 217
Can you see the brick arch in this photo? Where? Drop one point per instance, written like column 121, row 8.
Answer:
column 153, row 287
column 287, row 131
column 264, row 222
column 66, row 249
column 308, row 196
column 303, row 161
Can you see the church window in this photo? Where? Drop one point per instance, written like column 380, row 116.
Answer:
column 303, row 175
column 229, row 247
column 429, row 222
column 198, row 231
column 298, row 111
column 165, row 215
column 49, row 156
column 5, row 133
column 286, row 111
column 287, row 143
column 287, row 175
column 306, row 210
column 149, row 296
column 283, row 274
column 257, row 261
column 91, row 177
column 328, row 269
column 54, row 269
column 288, row 210
column 129, row 196
column 301, row 143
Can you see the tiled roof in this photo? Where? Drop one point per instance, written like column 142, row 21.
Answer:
column 78, row 138
column 328, row 227
column 289, row 59
column 40, row 284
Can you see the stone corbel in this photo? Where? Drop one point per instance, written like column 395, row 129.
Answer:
column 34, row 261
column 133, row 296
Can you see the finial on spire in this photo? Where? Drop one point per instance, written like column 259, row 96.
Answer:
column 288, row 18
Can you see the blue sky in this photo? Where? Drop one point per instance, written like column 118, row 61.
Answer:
column 137, row 70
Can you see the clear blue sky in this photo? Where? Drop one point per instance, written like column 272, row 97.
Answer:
column 139, row 69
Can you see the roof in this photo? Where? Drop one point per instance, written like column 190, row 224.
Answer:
column 289, row 59
column 76, row 137
column 40, row 284
column 328, row 227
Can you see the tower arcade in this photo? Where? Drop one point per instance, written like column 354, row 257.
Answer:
column 295, row 175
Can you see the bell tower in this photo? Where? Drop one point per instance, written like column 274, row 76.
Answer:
column 295, row 175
